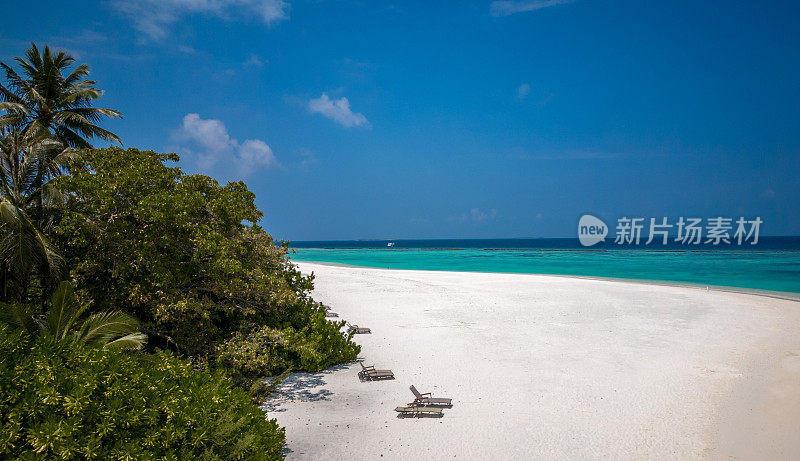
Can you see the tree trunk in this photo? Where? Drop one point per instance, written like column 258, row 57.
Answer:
column 39, row 196
column 3, row 281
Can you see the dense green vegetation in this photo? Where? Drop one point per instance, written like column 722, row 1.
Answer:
column 70, row 401
column 146, row 248
column 45, row 115
column 185, row 256
column 62, row 322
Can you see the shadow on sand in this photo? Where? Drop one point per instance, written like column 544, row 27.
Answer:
column 301, row 386
column 420, row 415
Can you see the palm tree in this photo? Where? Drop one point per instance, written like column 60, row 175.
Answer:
column 46, row 103
column 109, row 330
column 24, row 249
column 45, row 99
column 45, row 117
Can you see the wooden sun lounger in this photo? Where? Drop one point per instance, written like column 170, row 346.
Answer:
column 371, row 374
column 419, row 412
column 357, row 329
column 426, row 399
column 328, row 312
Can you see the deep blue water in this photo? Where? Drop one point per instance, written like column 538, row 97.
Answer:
column 764, row 244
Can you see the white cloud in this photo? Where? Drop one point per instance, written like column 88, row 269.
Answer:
column 206, row 142
column 475, row 215
column 255, row 152
column 478, row 215
column 337, row 110
column 571, row 155
column 186, row 49
column 152, row 17
column 508, row 7
column 307, row 158
column 254, row 60
column 523, row 91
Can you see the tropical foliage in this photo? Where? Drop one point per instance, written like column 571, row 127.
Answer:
column 44, row 114
column 266, row 351
column 44, row 99
column 163, row 260
column 25, row 250
column 186, row 256
column 64, row 400
column 62, row 322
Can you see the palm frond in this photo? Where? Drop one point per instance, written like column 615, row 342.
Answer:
column 90, row 130
column 93, row 114
column 63, row 104
column 14, row 108
column 13, row 78
column 133, row 341
column 33, row 55
column 105, row 327
column 76, row 74
column 72, row 138
column 18, row 317
column 23, row 246
column 82, row 95
column 64, row 311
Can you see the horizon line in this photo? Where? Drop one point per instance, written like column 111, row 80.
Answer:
column 481, row 238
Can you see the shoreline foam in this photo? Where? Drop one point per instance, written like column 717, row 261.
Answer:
column 785, row 295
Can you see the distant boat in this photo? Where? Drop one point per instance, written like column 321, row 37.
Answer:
column 390, row 244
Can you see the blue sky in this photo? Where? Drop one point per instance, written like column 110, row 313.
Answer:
column 460, row 119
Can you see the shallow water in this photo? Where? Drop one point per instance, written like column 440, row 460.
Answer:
column 775, row 266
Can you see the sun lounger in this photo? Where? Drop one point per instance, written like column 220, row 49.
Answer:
column 371, row 374
column 426, row 399
column 357, row 329
column 328, row 312
column 412, row 411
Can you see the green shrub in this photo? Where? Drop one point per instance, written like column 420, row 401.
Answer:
column 69, row 401
column 186, row 256
column 307, row 342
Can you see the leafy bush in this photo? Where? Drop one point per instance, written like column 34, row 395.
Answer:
column 186, row 256
column 66, row 400
column 267, row 351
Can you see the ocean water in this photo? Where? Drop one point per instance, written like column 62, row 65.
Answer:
column 773, row 264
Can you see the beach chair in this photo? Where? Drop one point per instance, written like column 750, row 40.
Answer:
column 357, row 329
column 426, row 399
column 371, row 374
column 412, row 411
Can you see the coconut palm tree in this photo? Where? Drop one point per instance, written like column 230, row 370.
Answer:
column 43, row 103
column 44, row 117
column 24, row 249
column 43, row 98
column 109, row 330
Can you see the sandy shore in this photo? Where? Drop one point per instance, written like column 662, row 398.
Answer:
column 550, row 367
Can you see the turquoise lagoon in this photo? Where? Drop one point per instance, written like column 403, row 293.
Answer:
column 773, row 266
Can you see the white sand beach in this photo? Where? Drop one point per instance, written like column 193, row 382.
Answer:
column 543, row 367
